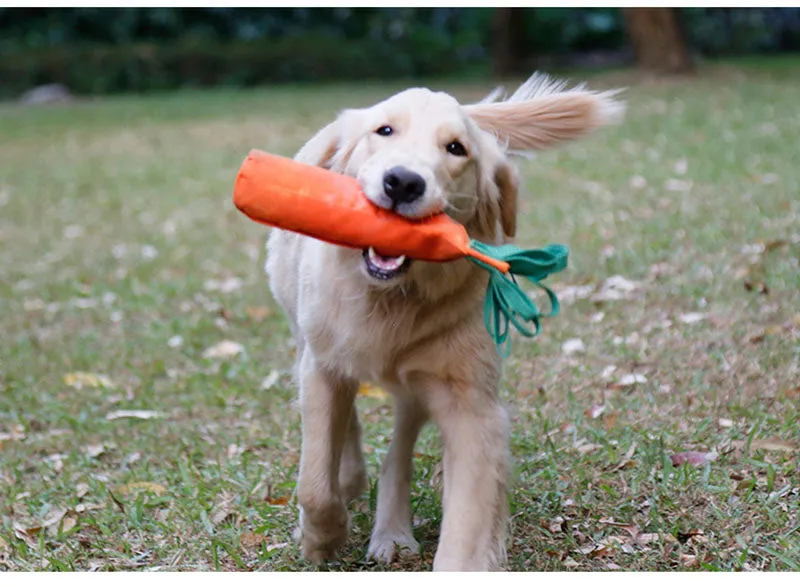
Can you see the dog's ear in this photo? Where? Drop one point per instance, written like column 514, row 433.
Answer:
column 507, row 181
column 497, row 207
column 327, row 148
column 542, row 114
column 321, row 148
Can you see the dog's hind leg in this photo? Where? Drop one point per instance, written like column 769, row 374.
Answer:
column 393, row 516
column 326, row 404
column 353, row 471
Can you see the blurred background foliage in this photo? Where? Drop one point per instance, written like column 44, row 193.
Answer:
column 105, row 50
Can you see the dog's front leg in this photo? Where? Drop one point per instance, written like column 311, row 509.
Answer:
column 475, row 430
column 326, row 404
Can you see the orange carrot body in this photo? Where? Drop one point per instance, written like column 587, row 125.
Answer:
column 331, row 207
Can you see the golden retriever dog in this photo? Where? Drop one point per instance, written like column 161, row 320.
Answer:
column 413, row 327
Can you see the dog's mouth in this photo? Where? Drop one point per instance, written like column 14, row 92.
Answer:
column 384, row 268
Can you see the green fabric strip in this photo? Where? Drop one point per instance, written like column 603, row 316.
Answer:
column 507, row 304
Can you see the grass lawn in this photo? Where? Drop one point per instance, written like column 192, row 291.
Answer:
column 124, row 445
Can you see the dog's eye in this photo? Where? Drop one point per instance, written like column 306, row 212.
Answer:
column 384, row 130
column 457, row 149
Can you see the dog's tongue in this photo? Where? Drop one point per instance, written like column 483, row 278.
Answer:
column 385, row 262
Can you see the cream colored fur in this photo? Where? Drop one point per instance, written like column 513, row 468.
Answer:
column 421, row 336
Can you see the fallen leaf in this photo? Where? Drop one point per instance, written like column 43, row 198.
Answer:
column 272, row 547
column 573, row 346
column 595, row 411
column 661, row 269
column 677, row 185
column 16, row 433
column 776, row 244
column 33, row 305
column 84, row 304
column 132, row 458
column 570, row 563
column 646, row 538
column 683, row 537
column 137, row 414
column 570, row 293
column 610, row 420
column 585, row 448
column 768, row 331
column 772, row 444
column 619, row 542
column 697, row 537
column 250, row 541
column 270, row 380
column 626, row 459
column 567, row 427
column 631, row 529
column 613, row 567
column 554, row 526
column 81, row 379
column 88, row 507
column 698, row 459
column 57, row 460
column 94, row 450
column 223, row 350
column 637, row 182
column 629, row 380
column 258, row 313
column 175, row 342
column 725, row 423
column 281, row 500
column 149, row 252
column 594, row 550
column 129, row 488
column 28, row 534
column 81, row 490
column 222, row 515
column 54, row 517
column 371, row 390
column 615, row 288
column 68, row 523
column 227, row 285
column 608, row 371
column 692, row 317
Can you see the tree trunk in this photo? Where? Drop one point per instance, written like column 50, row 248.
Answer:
column 659, row 40
column 508, row 41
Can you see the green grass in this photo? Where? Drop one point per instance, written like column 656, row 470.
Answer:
column 115, row 215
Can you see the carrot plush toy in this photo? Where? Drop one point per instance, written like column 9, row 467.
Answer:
column 331, row 207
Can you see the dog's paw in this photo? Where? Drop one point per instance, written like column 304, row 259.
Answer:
column 321, row 542
column 383, row 546
column 319, row 556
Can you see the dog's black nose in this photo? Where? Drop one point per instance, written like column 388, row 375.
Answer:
column 402, row 185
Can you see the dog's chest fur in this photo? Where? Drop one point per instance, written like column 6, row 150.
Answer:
column 372, row 335
column 369, row 333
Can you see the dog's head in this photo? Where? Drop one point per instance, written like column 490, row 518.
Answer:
column 420, row 152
